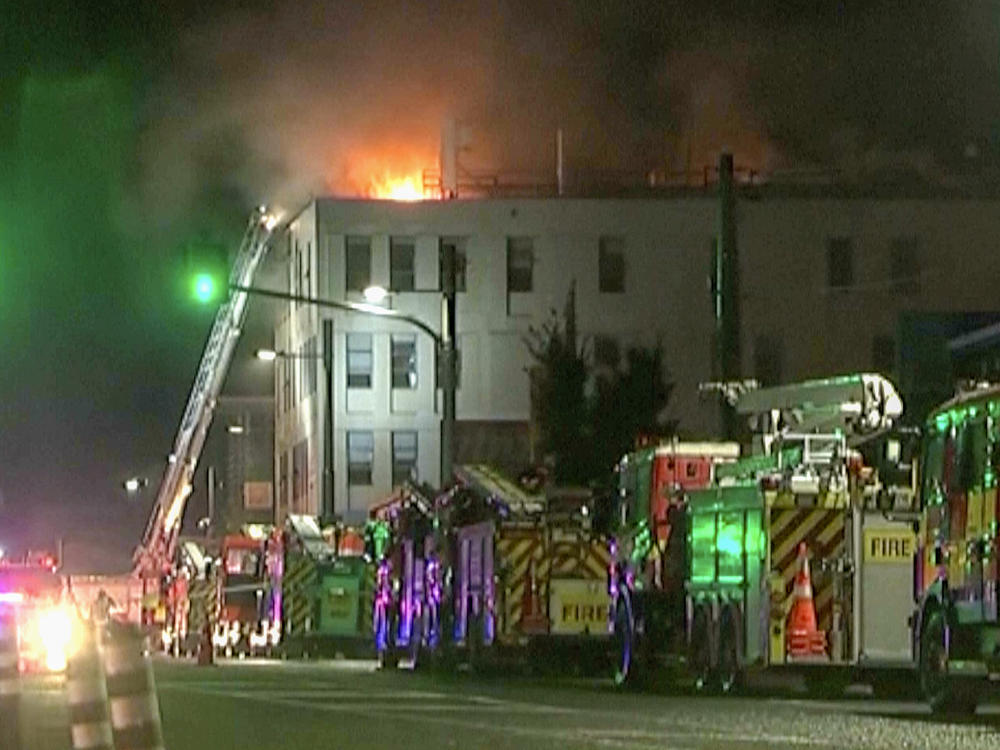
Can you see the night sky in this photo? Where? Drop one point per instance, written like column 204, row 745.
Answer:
column 130, row 129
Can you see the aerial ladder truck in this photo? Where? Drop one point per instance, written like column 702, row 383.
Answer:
column 154, row 558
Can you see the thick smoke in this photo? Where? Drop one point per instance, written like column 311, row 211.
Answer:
column 315, row 97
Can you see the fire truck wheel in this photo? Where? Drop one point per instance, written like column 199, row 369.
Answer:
column 700, row 648
column 624, row 638
column 730, row 671
column 416, row 638
column 944, row 693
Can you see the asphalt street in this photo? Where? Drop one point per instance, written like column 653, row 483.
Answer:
column 318, row 706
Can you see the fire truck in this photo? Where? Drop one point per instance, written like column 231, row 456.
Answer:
column 44, row 614
column 240, row 586
column 527, row 571
column 404, row 543
column 318, row 589
column 816, row 525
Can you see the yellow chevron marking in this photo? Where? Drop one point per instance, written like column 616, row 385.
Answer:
column 802, row 532
column 779, row 520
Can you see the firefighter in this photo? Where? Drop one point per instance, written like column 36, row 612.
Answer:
column 101, row 611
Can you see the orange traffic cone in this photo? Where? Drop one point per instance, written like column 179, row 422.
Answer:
column 803, row 637
column 532, row 618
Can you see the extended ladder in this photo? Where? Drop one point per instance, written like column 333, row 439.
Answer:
column 156, row 551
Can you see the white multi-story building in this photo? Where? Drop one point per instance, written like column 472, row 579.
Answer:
column 824, row 281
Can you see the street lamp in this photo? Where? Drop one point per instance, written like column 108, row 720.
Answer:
column 375, row 294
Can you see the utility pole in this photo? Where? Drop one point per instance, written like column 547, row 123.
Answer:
column 328, row 510
column 447, row 361
column 726, row 293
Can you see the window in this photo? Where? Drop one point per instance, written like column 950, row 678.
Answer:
column 606, row 352
column 360, row 457
column 840, row 262
column 611, row 265
column 904, row 265
column 768, row 359
column 283, row 480
column 884, row 354
column 404, row 361
column 401, row 252
column 359, row 264
column 520, row 264
column 286, row 384
column 310, row 359
column 300, row 476
column 404, row 457
column 459, row 245
column 359, row 360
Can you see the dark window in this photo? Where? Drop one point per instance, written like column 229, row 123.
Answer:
column 606, row 352
column 311, row 363
column 460, row 262
column 359, row 360
column 360, row 457
column 904, row 265
column 359, row 264
column 840, row 262
column 932, row 469
column 283, row 480
column 300, row 476
column 884, row 354
column 286, row 384
column 768, row 359
column 401, row 253
column 404, row 457
column 520, row 264
column 611, row 265
column 404, row 361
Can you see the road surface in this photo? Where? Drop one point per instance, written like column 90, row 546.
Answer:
column 312, row 706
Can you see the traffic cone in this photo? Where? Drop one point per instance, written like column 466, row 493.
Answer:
column 135, row 709
column 10, row 681
column 532, row 618
column 87, row 695
column 803, row 638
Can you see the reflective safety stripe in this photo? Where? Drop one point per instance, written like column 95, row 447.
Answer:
column 132, row 710
column 95, row 736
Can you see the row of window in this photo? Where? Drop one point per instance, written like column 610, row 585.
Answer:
column 360, row 360
column 361, row 457
column 402, row 255
column 903, row 270
column 520, row 264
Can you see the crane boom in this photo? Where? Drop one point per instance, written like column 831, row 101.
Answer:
column 159, row 540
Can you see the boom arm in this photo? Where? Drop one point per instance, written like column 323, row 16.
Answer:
column 160, row 537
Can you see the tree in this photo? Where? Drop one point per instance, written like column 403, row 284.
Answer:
column 588, row 420
column 627, row 404
column 559, row 405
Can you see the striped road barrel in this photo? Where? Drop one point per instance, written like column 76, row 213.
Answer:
column 135, row 710
column 87, row 695
column 10, row 685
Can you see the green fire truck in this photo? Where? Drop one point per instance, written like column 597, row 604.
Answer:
column 709, row 544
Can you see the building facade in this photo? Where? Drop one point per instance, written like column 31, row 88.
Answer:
column 824, row 281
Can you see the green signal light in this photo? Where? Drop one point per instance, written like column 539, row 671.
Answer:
column 204, row 288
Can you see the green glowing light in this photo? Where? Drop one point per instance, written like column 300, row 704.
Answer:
column 203, row 287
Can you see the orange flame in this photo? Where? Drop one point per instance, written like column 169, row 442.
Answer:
column 396, row 188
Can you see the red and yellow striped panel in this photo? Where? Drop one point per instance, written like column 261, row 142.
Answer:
column 516, row 551
column 823, row 530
